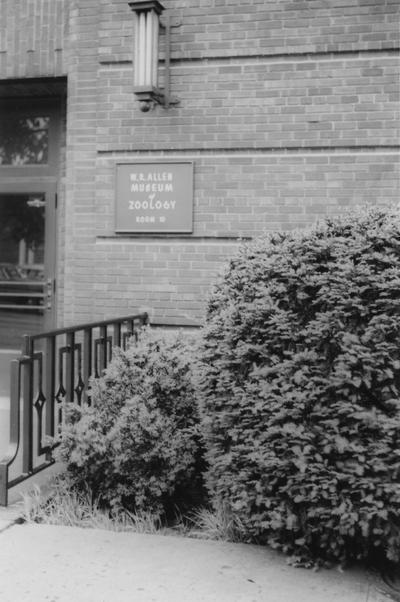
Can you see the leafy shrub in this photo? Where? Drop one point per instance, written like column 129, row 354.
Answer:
column 138, row 445
column 300, row 389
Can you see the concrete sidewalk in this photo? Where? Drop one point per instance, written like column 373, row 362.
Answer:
column 62, row 564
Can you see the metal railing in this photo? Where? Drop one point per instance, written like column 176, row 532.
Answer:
column 54, row 367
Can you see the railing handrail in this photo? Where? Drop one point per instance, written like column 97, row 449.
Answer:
column 88, row 325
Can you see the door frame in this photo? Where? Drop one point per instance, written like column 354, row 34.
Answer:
column 48, row 187
column 39, row 178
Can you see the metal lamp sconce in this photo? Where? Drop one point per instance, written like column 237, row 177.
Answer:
column 147, row 24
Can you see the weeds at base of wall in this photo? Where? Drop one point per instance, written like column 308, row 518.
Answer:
column 218, row 525
column 63, row 506
column 67, row 507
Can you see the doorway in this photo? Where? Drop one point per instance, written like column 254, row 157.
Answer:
column 26, row 262
column 29, row 155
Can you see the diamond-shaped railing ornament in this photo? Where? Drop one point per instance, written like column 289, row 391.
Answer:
column 40, row 401
column 80, row 387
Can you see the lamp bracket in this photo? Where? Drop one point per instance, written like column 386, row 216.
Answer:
column 149, row 97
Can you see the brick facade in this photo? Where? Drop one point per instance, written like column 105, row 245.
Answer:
column 288, row 109
column 33, row 38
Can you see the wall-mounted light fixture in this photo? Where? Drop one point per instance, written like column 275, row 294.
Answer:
column 145, row 62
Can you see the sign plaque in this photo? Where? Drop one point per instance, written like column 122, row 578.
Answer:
column 154, row 197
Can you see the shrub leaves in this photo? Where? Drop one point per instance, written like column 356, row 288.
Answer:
column 300, row 389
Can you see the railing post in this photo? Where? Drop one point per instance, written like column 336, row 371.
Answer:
column 14, row 441
column 87, row 369
column 3, row 484
column 131, row 328
column 27, row 411
column 117, row 334
column 50, row 379
column 70, row 368
column 103, row 349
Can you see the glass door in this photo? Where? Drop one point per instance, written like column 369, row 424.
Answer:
column 29, row 151
column 27, row 266
column 25, row 287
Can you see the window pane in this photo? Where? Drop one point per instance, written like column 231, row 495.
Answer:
column 24, row 140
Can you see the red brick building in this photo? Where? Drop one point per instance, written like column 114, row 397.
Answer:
column 288, row 111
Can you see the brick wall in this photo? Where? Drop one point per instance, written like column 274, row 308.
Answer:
column 258, row 103
column 288, row 109
column 225, row 28
column 169, row 277
column 80, row 203
column 244, row 194
column 32, row 38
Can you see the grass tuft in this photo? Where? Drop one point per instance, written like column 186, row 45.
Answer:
column 65, row 506
column 218, row 524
